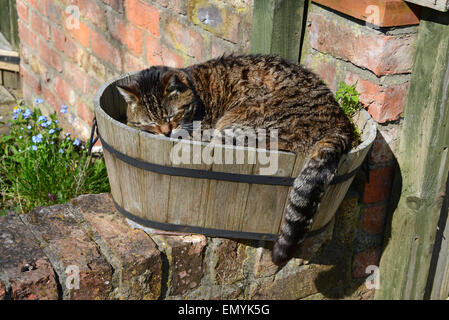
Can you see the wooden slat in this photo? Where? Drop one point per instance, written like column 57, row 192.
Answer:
column 227, row 200
column 8, row 65
column 110, row 160
column 424, row 166
column 265, row 204
column 154, row 188
column 188, row 196
column 277, row 27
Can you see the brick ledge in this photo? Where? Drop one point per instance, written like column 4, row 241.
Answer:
column 392, row 13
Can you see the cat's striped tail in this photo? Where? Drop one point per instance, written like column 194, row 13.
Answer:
column 306, row 194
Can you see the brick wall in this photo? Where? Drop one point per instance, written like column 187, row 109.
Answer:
column 65, row 59
column 379, row 59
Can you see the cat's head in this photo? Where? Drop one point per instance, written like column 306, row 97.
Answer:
column 160, row 100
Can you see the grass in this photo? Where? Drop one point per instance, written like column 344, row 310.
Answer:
column 40, row 165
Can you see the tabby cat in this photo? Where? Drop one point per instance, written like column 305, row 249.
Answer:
column 252, row 91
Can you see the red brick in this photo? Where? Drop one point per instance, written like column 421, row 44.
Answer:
column 186, row 259
column 154, row 51
column 84, row 112
column 26, row 35
column 22, row 10
column 135, row 255
column 383, row 103
column 78, row 78
column 143, row 15
column 59, row 233
column 50, row 56
column 42, row 6
column 63, row 43
column 81, row 34
column 23, row 262
column 92, row 12
column 171, row 59
column 63, row 90
column 128, row 34
column 51, row 99
column 117, row 5
column 364, row 47
column 55, row 13
column 132, row 63
column 373, row 219
column 31, row 80
column 379, row 186
column 180, row 36
column 381, row 151
column 105, row 50
column 362, row 260
column 39, row 25
column 2, row 291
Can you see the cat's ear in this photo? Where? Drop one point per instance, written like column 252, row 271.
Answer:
column 129, row 92
column 173, row 82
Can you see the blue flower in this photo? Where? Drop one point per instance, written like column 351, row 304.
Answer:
column 56, row 121
column 27, row 113
column 51, row 131
column 37, row 139
column 29, row 127
column 34, row 148
column 38, row 101
column 63, row 109
column 20, row 137
column 17, row 111
column 67, row 134
column 46, row 124
column 41, row 119
column 61, row 151
column 76, row 142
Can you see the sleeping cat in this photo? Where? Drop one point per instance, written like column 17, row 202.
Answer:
column 252, row 91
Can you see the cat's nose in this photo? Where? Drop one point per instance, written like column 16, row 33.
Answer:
column 166, row 129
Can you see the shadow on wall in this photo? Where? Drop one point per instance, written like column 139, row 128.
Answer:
column 362, row 230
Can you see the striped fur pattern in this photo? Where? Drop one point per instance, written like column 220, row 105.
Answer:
column 253, row 91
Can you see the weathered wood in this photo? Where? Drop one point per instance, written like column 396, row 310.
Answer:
column 8, row 22
column 227, row 200
column 424, row 166
column 277, row 27
column 188, row 196
column 205, row 203
column 11, row 79
column 440, row 5
column 265, row 204
column 9, row 65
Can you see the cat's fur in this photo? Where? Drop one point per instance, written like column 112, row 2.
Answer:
column 253, row 91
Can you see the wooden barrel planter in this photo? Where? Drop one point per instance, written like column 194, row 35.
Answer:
column 224, row 200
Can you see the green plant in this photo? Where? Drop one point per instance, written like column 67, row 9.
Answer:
column 39, row 165
column 348, row 98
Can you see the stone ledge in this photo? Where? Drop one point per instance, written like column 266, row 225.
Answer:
column 117, row 260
